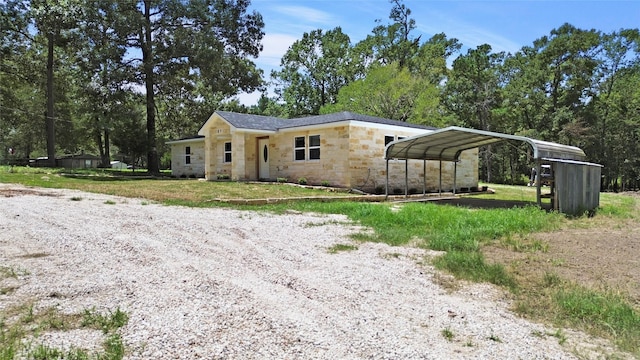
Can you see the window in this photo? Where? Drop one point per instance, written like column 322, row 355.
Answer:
column 314, row 147
column 388, row 139
column 187, row 155
column 392, row 138
column 299, row 148
column 227, row 152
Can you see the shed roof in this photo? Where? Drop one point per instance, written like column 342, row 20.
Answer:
column 447, row 144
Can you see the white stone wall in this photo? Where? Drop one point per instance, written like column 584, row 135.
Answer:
column 179, row 167
column 351, row 156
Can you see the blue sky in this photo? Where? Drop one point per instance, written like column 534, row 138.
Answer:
column 505, row 25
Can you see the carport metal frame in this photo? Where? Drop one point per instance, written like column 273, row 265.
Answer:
column 447, row 144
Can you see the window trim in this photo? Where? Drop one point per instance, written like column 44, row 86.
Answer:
column 226, row 152
column 314, row 147
column 305, row 150
column 297, row 149
column 393, row 138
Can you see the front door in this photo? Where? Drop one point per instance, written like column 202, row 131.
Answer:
column 263, row 155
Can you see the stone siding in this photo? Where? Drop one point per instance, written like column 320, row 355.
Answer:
column 351, row 156
column 196, row 168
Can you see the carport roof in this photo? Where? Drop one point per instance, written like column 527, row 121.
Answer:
column 447, row 144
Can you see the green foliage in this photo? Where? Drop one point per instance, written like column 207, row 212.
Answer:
column 31, row 323
column 107, row 323
column 447, row 334
column 604, row 313
column 313, row 71
column 341, row 247
column 470, row 265
column 390, row 92
column 302, row 181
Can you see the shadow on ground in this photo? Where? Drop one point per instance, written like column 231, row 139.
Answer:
column 486, row 203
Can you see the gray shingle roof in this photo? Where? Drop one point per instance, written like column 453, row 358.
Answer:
column 258, row 122
column 249, row 121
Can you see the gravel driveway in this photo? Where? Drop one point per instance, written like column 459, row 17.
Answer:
column 219, row 283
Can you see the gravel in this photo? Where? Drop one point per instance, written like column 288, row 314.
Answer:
column 219, row 283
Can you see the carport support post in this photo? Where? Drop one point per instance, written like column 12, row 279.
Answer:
column 440, row 181
column 406, row 177
column 538, row 185
column 424, row 177
column 455, row 173
column 386, row 185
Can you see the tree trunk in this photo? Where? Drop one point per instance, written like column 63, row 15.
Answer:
column 487, row 162
column 98, row 136
column 50, row 114
column 107, row 148
column 153, row 166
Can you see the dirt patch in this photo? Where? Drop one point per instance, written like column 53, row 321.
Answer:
column 603, row 257
column 21, row 192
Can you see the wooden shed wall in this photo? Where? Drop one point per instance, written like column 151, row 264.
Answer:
column 577, row 187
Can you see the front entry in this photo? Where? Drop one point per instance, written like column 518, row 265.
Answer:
column 263, row 155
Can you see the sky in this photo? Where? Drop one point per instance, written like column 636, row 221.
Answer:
column 506, row 25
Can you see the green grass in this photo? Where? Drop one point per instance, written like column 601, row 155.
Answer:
column 19, row 336
column 447, row 334
column 188, row 192
column 605, row 314
column 457, row 230
column 341, row 247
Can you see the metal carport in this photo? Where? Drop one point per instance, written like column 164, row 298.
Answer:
column 447, row 144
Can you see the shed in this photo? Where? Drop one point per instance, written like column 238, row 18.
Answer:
column 576, row 185
column 82, row 161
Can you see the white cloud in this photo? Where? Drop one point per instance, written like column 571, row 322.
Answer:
column 274, row 47
column 249, row 99
column 468, row 34
column 304, row 14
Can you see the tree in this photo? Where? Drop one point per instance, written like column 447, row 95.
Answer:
column 54, row 20
column 473, row 92
column 618, row 62
column 431, row 59
column 390, row 92
column 313, row 71
column 181, row 41
column 32, row 33
column 18, row 124
column 102, row 71
column 391, row 43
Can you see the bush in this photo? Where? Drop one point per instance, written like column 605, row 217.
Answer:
column 325, row 183
column 302, row 181
column 223, row 177
column 281, row 180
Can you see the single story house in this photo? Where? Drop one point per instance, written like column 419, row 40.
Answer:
column 342, row 149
